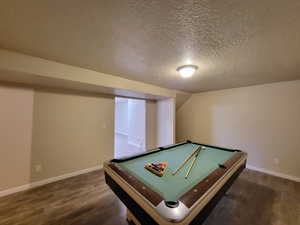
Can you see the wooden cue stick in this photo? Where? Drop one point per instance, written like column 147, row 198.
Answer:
column 185, row 161
column 192, row 165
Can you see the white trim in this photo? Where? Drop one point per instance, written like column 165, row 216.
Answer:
column 121, row 133
column 14, row 190
column 134, row 144
column 277, row 174
column 47, row 181
column 79, row 172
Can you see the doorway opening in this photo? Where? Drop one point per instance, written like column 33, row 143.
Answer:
column 130, row 127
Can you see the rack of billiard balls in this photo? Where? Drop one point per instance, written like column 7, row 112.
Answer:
column 158, row 168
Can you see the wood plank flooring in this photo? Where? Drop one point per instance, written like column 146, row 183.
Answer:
column 255, row 198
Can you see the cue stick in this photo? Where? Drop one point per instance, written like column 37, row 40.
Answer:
column 194, row 160
column 186, row 160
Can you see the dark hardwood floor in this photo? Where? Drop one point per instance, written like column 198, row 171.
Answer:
column 255, row 198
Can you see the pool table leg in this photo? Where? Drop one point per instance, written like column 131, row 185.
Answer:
column 131, row 218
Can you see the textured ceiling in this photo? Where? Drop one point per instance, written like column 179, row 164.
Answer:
column 234, row 43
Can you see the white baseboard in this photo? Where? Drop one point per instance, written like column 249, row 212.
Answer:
column 14, row 190
column 47, row 181
column 76, row 173
column 277, row 174
column 121, row 133
column 134, row 144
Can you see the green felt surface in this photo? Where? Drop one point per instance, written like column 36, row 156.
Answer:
column 172, row 187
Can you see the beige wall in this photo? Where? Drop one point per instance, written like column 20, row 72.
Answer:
column 151, row 128
column 70, row 132
column 16, row 105
column 47, row 133
column 263, row 120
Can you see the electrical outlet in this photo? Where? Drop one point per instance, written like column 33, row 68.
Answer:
column 38, row 168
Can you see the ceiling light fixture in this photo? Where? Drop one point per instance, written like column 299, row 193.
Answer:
column 187, row 70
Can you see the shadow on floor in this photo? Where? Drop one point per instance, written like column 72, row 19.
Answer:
column 255, row 198
column 245, row 203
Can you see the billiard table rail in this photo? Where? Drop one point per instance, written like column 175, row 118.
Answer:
column 189, row 198
column 189, row 203
column 155, row 150
column 152, row 196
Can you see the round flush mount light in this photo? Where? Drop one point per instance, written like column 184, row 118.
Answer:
column 187, row 70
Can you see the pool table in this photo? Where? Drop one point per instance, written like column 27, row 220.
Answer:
column 172, row 199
